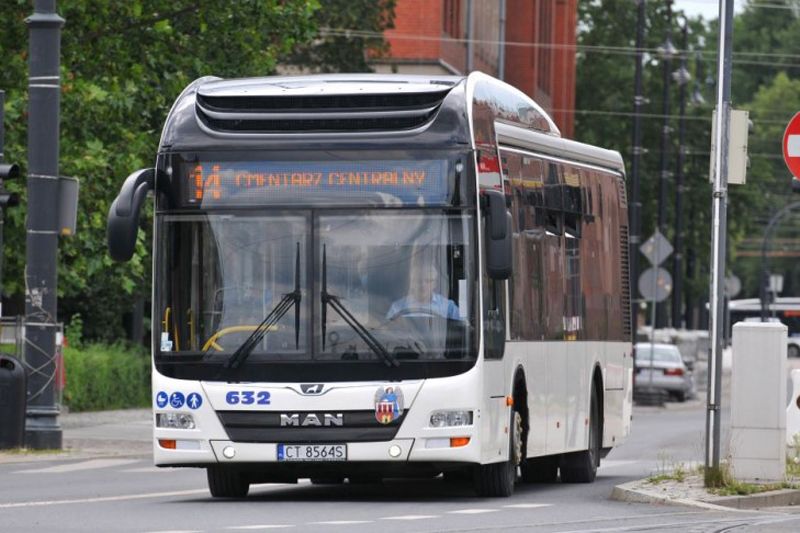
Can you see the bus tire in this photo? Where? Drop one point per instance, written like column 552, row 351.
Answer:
column 226, row 482
column 581, row 467
column 793, row 351
column 497, row 480
column 540, row 469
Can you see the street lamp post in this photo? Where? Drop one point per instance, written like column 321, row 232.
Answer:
column 636, row 204
column 667, row 52
column 682, row 77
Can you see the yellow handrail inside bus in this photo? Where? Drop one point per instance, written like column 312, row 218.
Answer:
column 192, row 339
column 165, row 327
column 212, row 341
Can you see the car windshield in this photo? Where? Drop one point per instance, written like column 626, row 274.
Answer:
column 663, row 354
column 362, row 282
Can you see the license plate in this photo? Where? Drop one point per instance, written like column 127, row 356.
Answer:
column 312, row 452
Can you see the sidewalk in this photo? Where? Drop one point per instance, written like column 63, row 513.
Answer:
column 95, row 434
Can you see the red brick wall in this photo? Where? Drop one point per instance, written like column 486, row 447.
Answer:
column 416, row 17
column 425, row 18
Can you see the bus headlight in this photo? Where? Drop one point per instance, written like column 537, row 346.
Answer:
column 175, row 421
column 441, row 419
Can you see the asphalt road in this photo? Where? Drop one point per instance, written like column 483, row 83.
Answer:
column 126, row 493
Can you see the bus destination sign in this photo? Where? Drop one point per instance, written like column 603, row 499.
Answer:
column 250, row 183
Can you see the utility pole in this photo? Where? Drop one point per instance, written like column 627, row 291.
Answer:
column 667, row 51
column 718, row 236
column 42, row 428
column 636, row 204
column 682, row 77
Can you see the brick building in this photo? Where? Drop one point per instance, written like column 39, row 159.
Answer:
column 433, row 37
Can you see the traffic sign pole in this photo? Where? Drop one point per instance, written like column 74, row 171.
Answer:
column 719, row 201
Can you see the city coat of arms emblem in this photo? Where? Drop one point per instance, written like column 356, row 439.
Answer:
column 388, row 404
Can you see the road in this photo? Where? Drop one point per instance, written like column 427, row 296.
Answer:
column 126, row 493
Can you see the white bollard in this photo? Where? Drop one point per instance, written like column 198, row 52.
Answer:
column 758, row 402
column 793, row 412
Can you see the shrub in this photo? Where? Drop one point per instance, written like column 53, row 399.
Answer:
column 101, row 376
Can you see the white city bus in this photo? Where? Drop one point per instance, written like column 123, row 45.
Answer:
column 359, row 277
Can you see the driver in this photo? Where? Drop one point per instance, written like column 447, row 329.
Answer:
column 423, row 299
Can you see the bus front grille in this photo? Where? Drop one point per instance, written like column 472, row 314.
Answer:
column 317, row 113
column 307, row 426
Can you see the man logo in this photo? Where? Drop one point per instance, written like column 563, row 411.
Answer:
column 315, row 388
column 311, row 419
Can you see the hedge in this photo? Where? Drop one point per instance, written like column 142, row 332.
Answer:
column 101, row 376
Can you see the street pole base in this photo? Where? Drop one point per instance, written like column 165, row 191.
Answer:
column 44, row 439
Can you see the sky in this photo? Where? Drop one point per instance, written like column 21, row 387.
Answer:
column 708, row 8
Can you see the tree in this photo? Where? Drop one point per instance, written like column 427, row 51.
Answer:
column 350, row 32
column 604, row 105
column 123, row 64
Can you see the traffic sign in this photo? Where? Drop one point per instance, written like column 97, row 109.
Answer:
column 656, row 249
column 791, row 146
column 655, row 284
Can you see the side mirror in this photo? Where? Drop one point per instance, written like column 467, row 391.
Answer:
column 123, row 216
column 498, row 236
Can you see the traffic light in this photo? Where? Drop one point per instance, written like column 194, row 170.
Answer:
column 8, row 198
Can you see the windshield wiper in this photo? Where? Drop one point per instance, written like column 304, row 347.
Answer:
column 347, row 316
column 281, row 308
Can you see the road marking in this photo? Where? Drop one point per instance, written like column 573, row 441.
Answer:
column 410, row 517
column 104, row 499
column 147, row 470
column 473, row 511
column 91, row 464
column 261, row 526
column 527, row 505
column 341, row 522
column 178, row 531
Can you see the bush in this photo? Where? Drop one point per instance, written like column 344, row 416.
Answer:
column 101, row 376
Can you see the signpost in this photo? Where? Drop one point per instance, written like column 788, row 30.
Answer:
column 655, row 284
column 791, row 146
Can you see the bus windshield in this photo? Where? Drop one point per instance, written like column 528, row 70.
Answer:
column 365, row 281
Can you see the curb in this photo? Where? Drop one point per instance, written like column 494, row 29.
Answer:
column 628, row 492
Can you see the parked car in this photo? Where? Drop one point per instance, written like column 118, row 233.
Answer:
column 664, row 363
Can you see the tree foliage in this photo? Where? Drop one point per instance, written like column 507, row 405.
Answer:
column 123, row 64
column 765, row 81
column 349, row 33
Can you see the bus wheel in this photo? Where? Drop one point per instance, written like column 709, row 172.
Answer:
column 793, row 351
column 226, row 483
column 540, row 469
column 497, row 480
column 581, row 467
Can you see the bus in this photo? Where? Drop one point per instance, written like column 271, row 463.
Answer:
column 783, row 309
column 359, row 277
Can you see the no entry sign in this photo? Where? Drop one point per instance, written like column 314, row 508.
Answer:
column 791, row 146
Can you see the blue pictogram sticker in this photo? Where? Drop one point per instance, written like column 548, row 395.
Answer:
column 176, row 400
column 161, row 398
column 194, row 400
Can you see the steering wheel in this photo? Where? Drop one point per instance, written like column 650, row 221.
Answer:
column 415, row 312
column 212, row 341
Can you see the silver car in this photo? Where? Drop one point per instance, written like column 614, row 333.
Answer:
column 661, row 366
